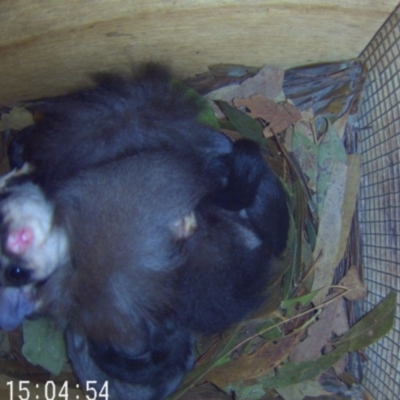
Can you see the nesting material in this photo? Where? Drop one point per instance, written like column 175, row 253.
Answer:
column 300, row 118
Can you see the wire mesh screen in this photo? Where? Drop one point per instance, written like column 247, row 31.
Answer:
column 379, row 205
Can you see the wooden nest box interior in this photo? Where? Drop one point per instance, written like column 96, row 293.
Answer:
column 51, row 47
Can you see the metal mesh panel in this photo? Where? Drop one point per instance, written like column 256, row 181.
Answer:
column 379, row 205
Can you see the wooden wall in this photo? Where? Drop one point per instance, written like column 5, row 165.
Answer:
column 49, row 47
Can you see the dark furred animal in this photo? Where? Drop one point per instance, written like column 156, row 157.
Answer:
column 138, row 228
column 119, row 117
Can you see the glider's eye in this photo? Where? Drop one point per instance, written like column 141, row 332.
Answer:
column 18, row 276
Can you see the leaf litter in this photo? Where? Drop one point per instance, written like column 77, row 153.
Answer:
column 301, row 136
column 301, row 335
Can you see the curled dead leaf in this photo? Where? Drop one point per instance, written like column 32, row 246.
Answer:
column 352, row 281
column 277, row 117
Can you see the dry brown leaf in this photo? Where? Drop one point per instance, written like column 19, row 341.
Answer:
column 335, row 223
column 279, row 117
column 340, row 367
column 268, row 133
column 308, row 114
column 340, row 124
column 352, row 281
column 288, row 138
column 254, row 366
column 349, row 203
column 332, row 319
column 329, row 231
column 305, row 128
column 340, row 324
column 268, row 82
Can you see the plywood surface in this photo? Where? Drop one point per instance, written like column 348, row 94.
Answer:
column 49, row 47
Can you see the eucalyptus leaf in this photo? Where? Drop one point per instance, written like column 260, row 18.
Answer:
column 368, row 330
column 243, row 390
column 307, row 258
column 226, row 125
column 207, row 115
column 295, row 372
column 273, row 333
column 306, row 153
column 329, row 230
column 349, row 203
column 248, row 127
column 330, row 152
column 300, row 390
column 256, row 365
column 373, row 326
column 294, row 271
column 304, row 301
column 292, row 245
column 44, row 345
column 311, row 233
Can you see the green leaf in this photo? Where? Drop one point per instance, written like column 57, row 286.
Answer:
column 302, row 300
column 296, row 372
column 44, row 345
column 373, row 326
column 368, row 330
column 295, row 243
column 311, row 233
column 292, row 248
column 268, row 333
column 226, row 125
column 248, row 127
column 207, row 115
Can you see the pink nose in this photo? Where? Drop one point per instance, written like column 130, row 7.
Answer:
column 19, row 240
